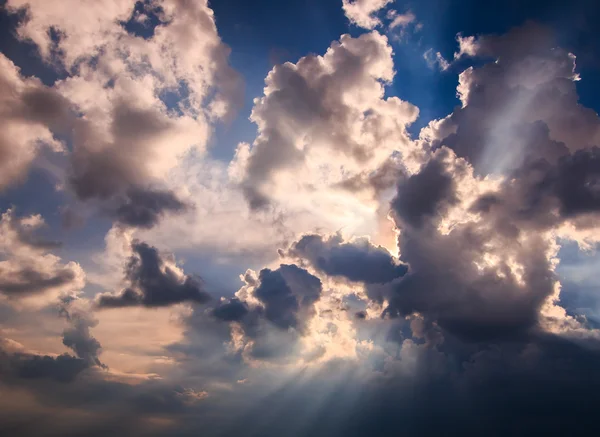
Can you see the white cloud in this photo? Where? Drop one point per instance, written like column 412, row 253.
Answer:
column 400, row 20
column 435, row 60
column 125, row 136
column 363, row 13
column 467, row 46
column 322, row 121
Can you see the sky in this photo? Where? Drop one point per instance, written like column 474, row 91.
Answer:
column 299, row 218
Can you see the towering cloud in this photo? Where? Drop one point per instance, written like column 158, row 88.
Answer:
column 323, row 120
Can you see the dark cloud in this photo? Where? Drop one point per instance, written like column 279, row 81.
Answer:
column 78, row 337
column 273, row 311
column 450, row 280
column 145, row 208
column 423, row 196
column 117, row 174
column 63, row 368
column 29, row 281
column 376, row 182
column 232, row 310
column 575, row 181
column 358, row 260
column 154, row 282
column 288, row 295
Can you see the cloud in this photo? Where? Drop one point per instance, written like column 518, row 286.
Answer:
column 287, row 295
column 516, row 109
column 63, row 368
column 400, row 20
column 498, row 281
column 77, row 336
column 270, row 313
column 362, row 13
column 153, row 281
column 144, row 208
column 356, row 260
column 467, row 46
column 435, row 60
column 29, row 274
column 425, row 196
column 17, row 362
column 126, row 136
column 324, row 119
column 28, row 111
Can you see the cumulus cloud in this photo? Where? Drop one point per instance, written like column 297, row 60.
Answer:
column 271, row 312
column 126, row 137
column 28, row 111
column 324, row 118
column 356, row 260
column 154, row 280
column 29, row 273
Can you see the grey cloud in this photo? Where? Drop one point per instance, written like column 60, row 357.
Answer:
column 449, row 280
column 286, row 304
column 232, row 310
column 575, row 181
column 63, row 368
column 153, row 283
column 27, row 234
column 28, row 268
column 29, row 111
column 288, row 295
column 358, row 260
column 521, row 107
column 145, row 208
column 77, row 336
column 29, row 281
column 117, row 174
column 424, row 196
column 377, row 181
